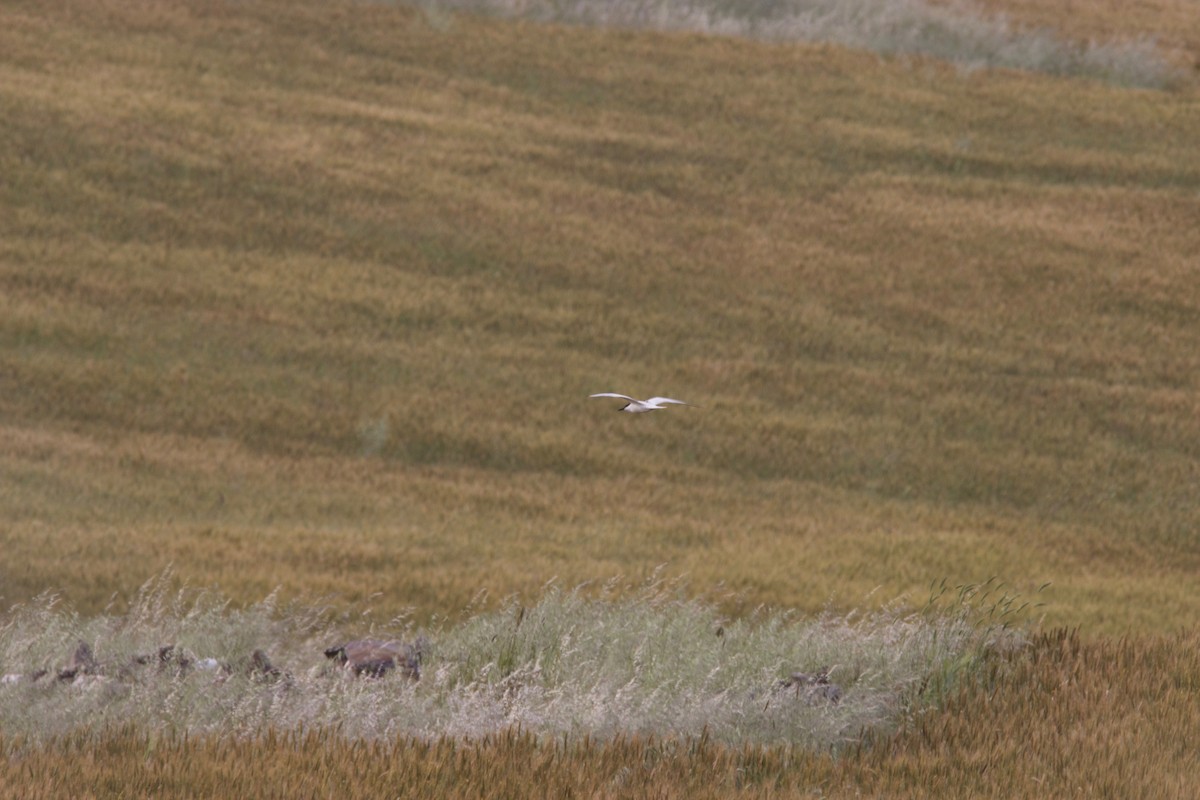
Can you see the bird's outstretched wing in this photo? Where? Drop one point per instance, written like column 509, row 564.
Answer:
column 656, row 401
column 613, row 394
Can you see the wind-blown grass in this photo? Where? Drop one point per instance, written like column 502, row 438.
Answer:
column 1062, row 717
column 648, row 664
column 311, row 295
column 317, row 312
column 960, row 33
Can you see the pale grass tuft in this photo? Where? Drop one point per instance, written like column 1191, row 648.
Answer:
column 1129, row 709
column 650, row 664
column 961, row 33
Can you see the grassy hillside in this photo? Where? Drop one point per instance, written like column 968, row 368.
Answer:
column 313, row 297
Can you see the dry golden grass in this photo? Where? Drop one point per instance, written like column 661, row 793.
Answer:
column 311, row 295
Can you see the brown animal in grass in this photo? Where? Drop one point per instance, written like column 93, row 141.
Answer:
column 375, row 658
column 813, row 686
column 83, row 662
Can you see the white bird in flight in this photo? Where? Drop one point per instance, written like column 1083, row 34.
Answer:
column 635, row 406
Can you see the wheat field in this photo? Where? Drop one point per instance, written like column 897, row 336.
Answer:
column 305, row 301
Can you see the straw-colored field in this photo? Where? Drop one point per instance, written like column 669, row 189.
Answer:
column 311, row 296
